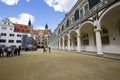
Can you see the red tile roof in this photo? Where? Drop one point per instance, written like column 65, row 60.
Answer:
column 22, row 28
column 26, row 28
column 36, row 32
column 46, row 31
column 43, row 31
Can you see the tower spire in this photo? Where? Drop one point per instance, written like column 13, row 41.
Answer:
column 46, row 26
column 29, row 22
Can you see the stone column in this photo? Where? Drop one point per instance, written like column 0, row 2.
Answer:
column 97, row 30
column 68, row 42
column 78, row 41
column 78, row 44
column 59, row 44
column 63, row 47
column 98, row 42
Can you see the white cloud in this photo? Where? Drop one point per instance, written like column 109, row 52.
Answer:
column 39, row 27
column 28, row 0
column 22, row 18
column 61, row 5
column 0, row 18
column 10, row 2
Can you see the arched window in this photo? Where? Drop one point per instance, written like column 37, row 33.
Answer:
column 76, row 14
column 105, row 36
column 85, row 39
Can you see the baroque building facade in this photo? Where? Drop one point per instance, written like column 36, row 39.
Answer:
column 91, row 26
column 42, row 37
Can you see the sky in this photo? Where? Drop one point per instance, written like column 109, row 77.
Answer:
column 40, row 12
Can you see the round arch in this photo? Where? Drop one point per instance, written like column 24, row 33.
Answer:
column 65, row 41
column 86, row 22
column 110, row 24
column 73, row 39
column 106, row 11
column 87, row 36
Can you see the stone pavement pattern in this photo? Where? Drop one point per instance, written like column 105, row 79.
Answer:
column 58, row 65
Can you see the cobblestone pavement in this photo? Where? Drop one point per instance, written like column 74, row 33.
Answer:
column 58, row 65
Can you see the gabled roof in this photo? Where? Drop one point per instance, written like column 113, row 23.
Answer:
column 22, row 28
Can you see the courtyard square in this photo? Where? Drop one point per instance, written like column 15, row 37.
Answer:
column 58, row 65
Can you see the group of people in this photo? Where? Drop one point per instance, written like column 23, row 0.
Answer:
column 9, row 51
column 45, row 49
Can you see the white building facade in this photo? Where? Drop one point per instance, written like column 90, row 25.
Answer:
column 91, row 26
column 8, row 37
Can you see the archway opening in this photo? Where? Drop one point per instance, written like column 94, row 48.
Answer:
column 66, row 41
column 73, row 41
column 110, row 34
column 87, row 37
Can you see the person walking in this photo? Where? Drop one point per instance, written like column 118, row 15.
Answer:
column 44, row 49
column 19, row 49
column 49, row 49
column 15, row 51
column 9, row 52
column 1, row 52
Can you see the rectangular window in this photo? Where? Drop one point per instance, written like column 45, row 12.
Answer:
column 81, row 13
column 13, row 46
column 11, row 41
column 11, row 35
column 86, row 9
column 105, row 36
column 3, row 34
column 85, row 39
column 18, row 35
column 4, row 28
column 18, row 41
column 2, row 40
column 105, row 40
column 11, row 29
column 67, row 24
column 86, row 42
column 92, row 3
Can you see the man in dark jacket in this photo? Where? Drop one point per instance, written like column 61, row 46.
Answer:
column 19, row 49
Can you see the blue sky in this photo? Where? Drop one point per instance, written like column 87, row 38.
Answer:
column 39, row 11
